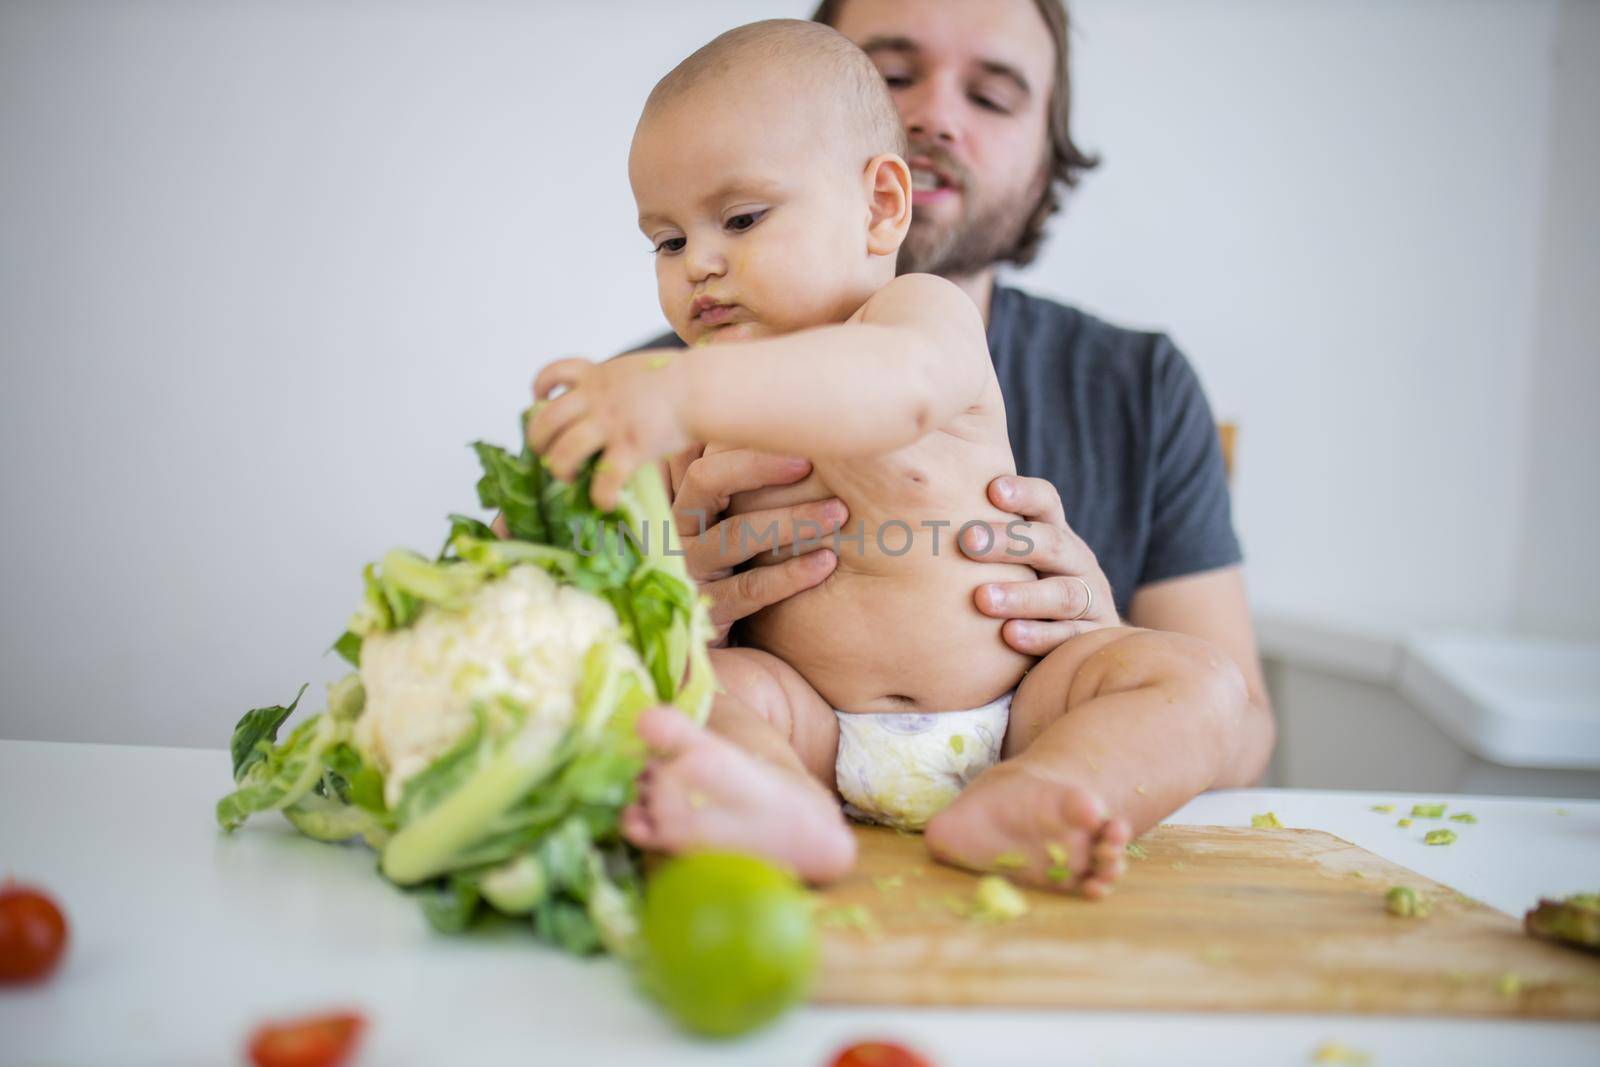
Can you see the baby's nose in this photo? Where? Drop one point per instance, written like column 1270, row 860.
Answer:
column 704, row 263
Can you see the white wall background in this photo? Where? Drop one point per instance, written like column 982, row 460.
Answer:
column 266, row 268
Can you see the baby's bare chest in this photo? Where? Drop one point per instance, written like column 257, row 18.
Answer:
column 939, row 475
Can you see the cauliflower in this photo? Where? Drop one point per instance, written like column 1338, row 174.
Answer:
column 520, row 638
column 485, row 745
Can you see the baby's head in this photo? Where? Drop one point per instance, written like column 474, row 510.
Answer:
column 768, row 173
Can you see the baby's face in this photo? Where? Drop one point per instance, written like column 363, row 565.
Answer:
column 759, row 223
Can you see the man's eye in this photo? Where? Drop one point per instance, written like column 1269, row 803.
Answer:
column 741, row 222
column 672, row 244
column 897, row 81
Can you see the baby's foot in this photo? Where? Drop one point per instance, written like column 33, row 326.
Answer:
column 1033, row 829
column 702, row 791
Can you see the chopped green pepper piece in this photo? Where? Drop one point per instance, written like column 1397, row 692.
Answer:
column 1464, row 817
column 1440, row 837
column 1383, row 809
column 1510, row 984
column 997, row 900
column 1336, row 1055
column 1269, row 821
column 851, row 917
column 1137, row 851
column 1009, row 861
column 1427, row 811
column 1060, row 870
column 1403, row 823
column 1406, row 902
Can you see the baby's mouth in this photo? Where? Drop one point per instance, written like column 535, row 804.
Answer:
column 717, row 314
column 709, row 312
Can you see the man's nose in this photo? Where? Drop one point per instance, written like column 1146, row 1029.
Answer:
column 931, row 109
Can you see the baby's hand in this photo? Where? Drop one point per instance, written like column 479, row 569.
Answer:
column 629, row 409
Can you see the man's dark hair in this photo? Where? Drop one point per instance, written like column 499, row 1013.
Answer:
column 1067, row 160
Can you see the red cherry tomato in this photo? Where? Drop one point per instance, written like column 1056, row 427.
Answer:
column 879, row 1054
column 315, row 1041
column 33, row 933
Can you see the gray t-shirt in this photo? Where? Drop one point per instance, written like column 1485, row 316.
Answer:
column 1116, row 420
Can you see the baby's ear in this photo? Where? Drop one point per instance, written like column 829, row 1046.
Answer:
column 888, row 184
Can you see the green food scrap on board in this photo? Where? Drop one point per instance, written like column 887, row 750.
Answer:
column 1407, row 903
column 997, row 900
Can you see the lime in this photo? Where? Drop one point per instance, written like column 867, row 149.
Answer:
column 729, row 941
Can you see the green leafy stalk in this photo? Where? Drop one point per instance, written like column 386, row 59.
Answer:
column 284, row 774
column 253, row 736
column 424, row 848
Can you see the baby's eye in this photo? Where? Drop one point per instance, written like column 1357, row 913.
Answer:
column 744, row 220
column 989, row 104
column 671, row 244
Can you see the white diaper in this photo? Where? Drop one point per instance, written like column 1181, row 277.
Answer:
column 903, row 768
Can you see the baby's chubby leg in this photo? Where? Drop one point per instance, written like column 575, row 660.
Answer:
column 1109, row 733
column 758, row 779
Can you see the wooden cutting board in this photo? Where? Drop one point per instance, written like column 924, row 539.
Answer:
column 1214, row 918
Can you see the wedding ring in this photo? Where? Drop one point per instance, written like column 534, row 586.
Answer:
column 1088, row 598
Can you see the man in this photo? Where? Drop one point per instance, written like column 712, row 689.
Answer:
column 1108, row 426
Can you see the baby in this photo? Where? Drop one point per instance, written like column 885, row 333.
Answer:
column 768, row 173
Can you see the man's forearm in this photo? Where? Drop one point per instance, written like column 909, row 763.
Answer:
column 852, row 389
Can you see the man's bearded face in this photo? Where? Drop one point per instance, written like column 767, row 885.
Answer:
column 990, row 222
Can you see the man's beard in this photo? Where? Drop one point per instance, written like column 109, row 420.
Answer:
column 984, row 235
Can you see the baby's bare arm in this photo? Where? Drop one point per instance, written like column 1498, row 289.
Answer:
column 914, row 359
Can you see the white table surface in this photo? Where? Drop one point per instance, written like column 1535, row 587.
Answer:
column 183, row 939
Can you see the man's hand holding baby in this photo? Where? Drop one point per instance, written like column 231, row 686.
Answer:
column 632, row 409
column 1071, row 595
column 704, row 479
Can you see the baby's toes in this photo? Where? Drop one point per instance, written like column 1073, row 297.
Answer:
column 1077, row 807
column 1095, row 888
column 671, row 808
column 637, row 827
column 1110, row 862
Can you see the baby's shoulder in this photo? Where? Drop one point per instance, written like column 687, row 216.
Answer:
column 915, row 299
